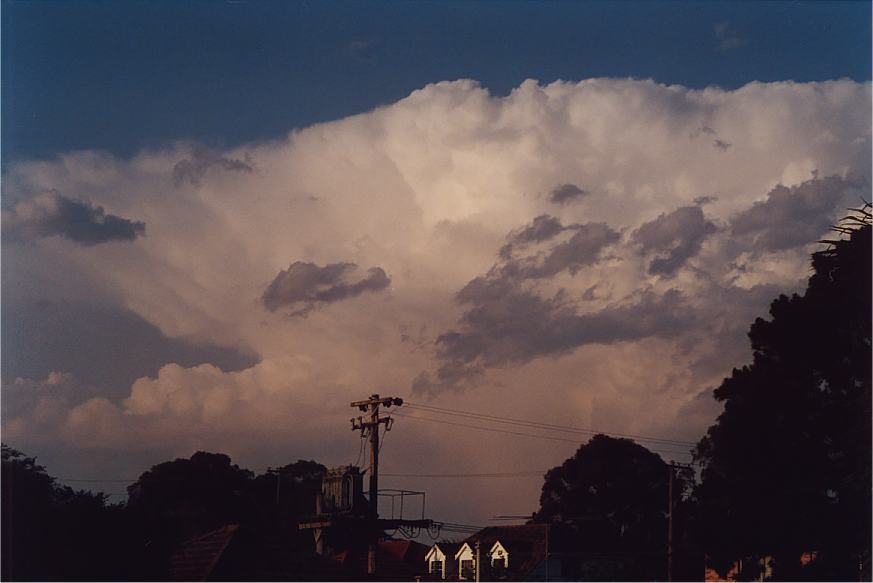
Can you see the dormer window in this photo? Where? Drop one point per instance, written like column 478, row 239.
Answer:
column 436, row 568
column 468, row 573
column 499, row 557
column 466, row 563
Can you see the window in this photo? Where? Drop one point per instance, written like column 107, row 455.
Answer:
column 499, row 563
column 436, row 567
column 467, row 571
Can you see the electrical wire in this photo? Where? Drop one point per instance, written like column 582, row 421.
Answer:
column 382, row 440
column 125, row 481
column 543, row 425
column 360, row 451
column 519, row 433
column 521, row 474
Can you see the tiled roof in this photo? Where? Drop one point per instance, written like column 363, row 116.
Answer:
column 449, row 549
column 396, row 560
column 525, row 543
column 240, row 554
column 195, row 559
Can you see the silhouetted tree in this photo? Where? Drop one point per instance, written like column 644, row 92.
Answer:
column 786, row 469
column 177, row 500
column 608, row 505
column 52, row 532
column 184, row 497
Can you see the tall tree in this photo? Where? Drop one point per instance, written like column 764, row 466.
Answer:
column 786, row 468
column 184, row 497
column 608, row 505
column 52, row 532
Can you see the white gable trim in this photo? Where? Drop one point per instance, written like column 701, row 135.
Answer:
column 498, row 545
column 498, row 551
column 434, row 552
column 460, row 552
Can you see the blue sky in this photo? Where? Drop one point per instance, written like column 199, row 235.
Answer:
column 122, row 76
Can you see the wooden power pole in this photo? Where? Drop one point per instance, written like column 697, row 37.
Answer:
column 370, row 427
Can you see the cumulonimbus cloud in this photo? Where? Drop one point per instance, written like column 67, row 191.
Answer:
column 673, row 237
column 304, row 286
column 797, row 215
column 51, row 214
column 425, row 190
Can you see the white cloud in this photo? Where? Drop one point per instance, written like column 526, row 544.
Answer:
column 428, row 189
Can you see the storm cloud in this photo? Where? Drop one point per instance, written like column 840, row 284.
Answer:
column 303, row 286
column 508, row 322
column 566, row 193
column 797, row 215
column 673, row 238
column 51, row 214
column 194, row 169
column 542, row 228
column 582, row 248
column 510, row 326
column 426, row 190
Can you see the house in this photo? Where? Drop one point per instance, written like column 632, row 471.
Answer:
column 238, row 553
column 441, row 563
column 506, row 553
column 396, row 560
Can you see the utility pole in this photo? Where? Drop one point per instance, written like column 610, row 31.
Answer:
column 370, row 427
column 671, row 468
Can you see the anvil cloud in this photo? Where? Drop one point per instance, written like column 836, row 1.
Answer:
column 577, row 252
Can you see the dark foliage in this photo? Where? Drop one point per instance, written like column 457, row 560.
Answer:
column 610, row 501
column 176, row 500
column 51, row 532
column 786, row 469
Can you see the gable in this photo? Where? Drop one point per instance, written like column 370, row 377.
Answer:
column 434, row 554
column 464, row 553
column 498, row 548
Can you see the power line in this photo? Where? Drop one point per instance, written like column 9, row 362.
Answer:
column 519, row 433
column 126, row 481
column 543, row 425
column 493, row 429
column 520, row 474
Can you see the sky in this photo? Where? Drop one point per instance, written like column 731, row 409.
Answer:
column 223, row 222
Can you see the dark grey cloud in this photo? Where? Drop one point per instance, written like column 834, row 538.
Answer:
column 104, row 347
column 51, row 214
column 542, row 228
column 796, row 216
column 303, row 286
column 507, row 322
column 566, row 193
column 673, row 238
column 506, row 326
column 702, row 200
column 193, row 169
column 581, row 249
column 703, row 130
column 708, row 131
